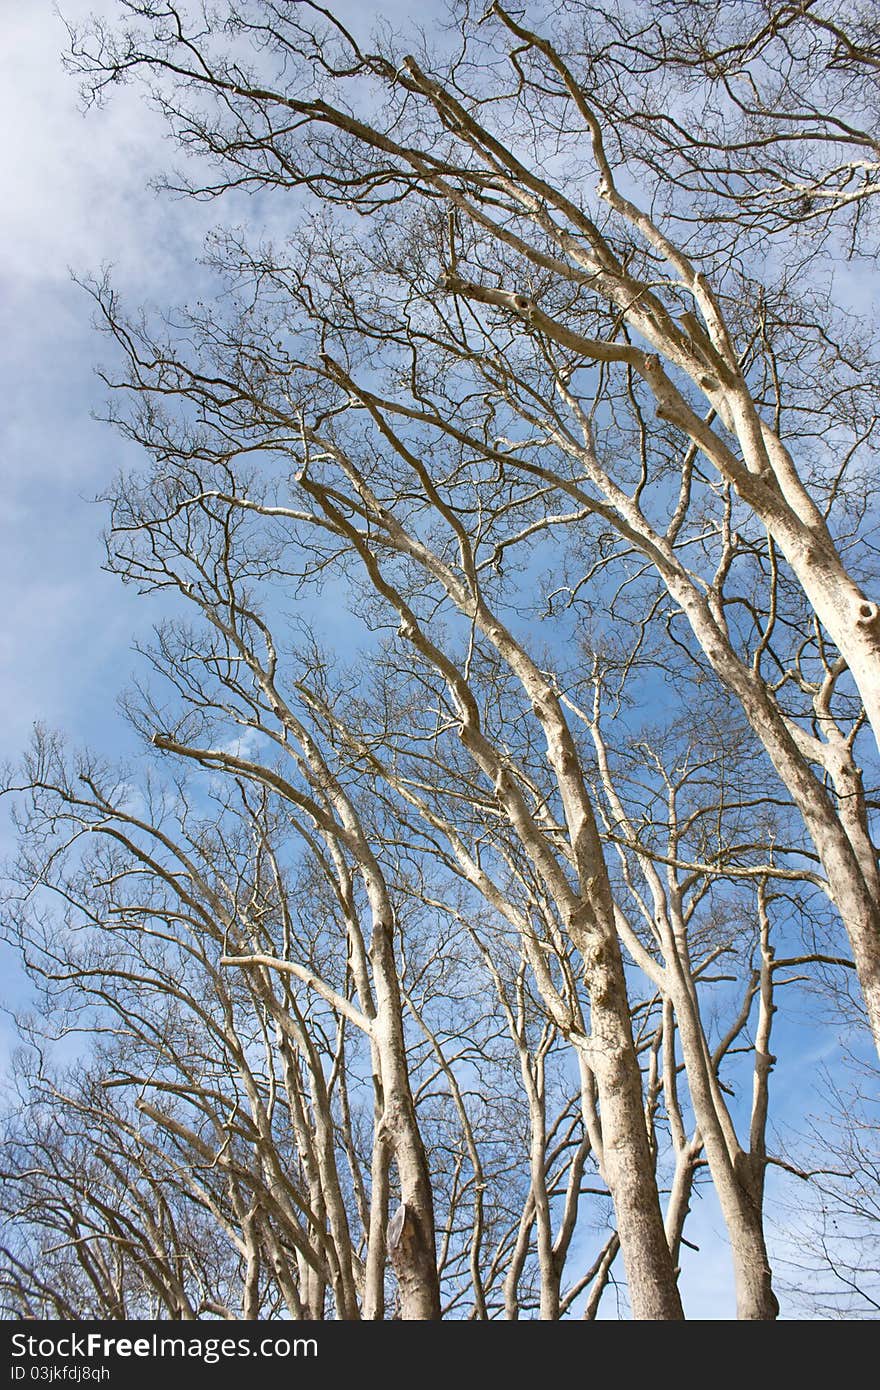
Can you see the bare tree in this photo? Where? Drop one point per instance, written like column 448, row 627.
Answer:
column 228, row 981
column 563, row 300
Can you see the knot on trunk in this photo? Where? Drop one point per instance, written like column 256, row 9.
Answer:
column 396, row 1234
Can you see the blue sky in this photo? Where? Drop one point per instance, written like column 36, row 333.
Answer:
column 76, row 199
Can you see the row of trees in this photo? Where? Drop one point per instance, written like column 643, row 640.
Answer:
column 513, row 731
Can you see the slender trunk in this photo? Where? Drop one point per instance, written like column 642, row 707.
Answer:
column 600, row 1282
column 679, row 1203
column 374, row 1277
column 850, row 867
column 479, row 1180
column 517, row 1260
column 414, row 1251
column 282, row 1271
column 316, row 1140
column 728, row 1164
column 628, row 1168
column 250, row 1304
column 547, row 1262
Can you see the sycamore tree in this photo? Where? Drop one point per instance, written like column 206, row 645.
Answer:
column 237, row 1142
column 514, row 511
column 666, row 362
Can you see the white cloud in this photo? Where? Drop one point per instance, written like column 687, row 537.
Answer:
column 75, row 196
column 79, row 179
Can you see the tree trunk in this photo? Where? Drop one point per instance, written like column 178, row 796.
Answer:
column 851, row 880
column 728, row 1165
column 627, row 1164
column 411, row 1236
